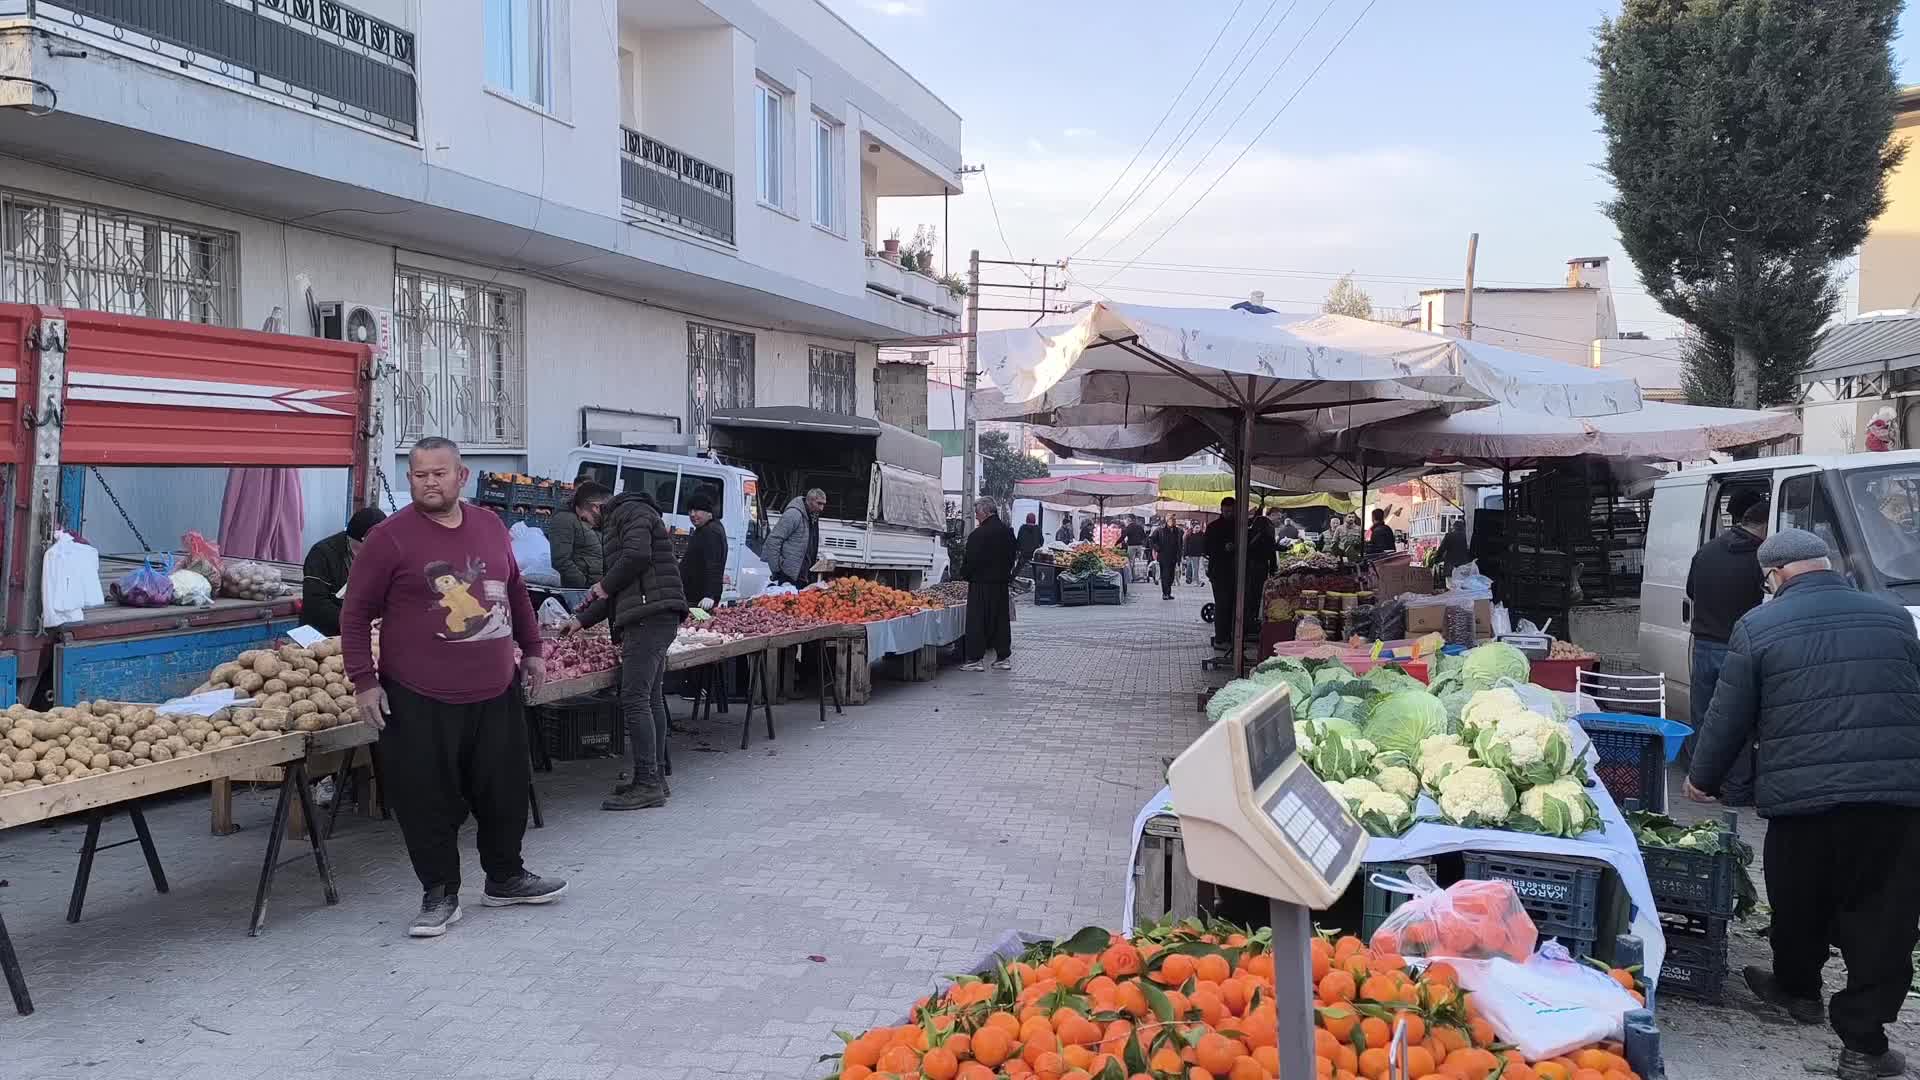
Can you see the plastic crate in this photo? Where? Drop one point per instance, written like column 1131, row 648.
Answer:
column 1690, row 881
column 1632, row 760
column 1105, row 594
column 1075, row 594
column 580, row 727
column 1377, row 903
column 1046, row 583
column 1562, row 894
column 1694, row 969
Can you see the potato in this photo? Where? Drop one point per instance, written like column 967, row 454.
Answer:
column 118, row 757
column 43, row 769
column 22, row 770
column 250, row 682
column 142, row 749
column 326, row 705
column 28, row 754
column 125, row 728
column 267, row 665
column 248, row 727
column 306, row 723
column 54, row 756
column 277, row 701
column 21, row 737
column 275, row 685
column 294, row 678
column 247, row 658
column 161, row 752
column 225, row 672
column 302, row 708
column 99, row 761
column 273, row 724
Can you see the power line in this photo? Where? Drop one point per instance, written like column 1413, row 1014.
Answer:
column 1171, row 105
column 1255, row 141
column 1192, row 125
column 997, row 227
column 1582, row 344
column 1269, row 271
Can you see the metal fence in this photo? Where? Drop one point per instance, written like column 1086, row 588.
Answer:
column 660, row 182
column 323, row 54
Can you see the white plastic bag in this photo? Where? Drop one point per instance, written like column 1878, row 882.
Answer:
column 191, row 589
column 552, row 613
column 532, row 551
column 1548, row 1006
column 69, row 581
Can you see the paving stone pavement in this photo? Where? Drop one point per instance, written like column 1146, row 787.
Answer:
column 896, row 842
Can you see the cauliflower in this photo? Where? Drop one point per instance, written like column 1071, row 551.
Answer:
column 1399, row 780
column 1562, row 808
column 1387, row 804
column 1441, row 760
column 1303, row 732
column 1475, row 795
column 1526, row 735
column 1486, row 708
column 1353, row 791
column 1364, row 746
column 1438, row 742
column 1531, row 748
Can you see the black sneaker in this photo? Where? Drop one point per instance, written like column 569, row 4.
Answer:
column 523, row 889
column 439, row 909
column 1804, row 1010
column 635, row 797
column 1855, row 1065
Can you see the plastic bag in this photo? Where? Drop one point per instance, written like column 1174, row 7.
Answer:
column 244, row 580
column 191, row 588
column 1309, row 629
column 1549, row 1005
column 147, row 585
column 202, row 557
column 552, row 613
column 1468, row 919
column 69, row 581
column 532, row 551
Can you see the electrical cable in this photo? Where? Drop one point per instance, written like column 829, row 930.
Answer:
column 1440, row 280
column 997, row 227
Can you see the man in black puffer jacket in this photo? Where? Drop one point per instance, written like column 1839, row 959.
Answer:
column 1723, row 583
column 642, row 598
column 1826, row 680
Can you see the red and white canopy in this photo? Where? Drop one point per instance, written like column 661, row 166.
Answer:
column 1090, row 489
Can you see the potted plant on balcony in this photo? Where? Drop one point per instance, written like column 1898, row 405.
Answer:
column 956, row 285
column 919, row 253
column 892, row 250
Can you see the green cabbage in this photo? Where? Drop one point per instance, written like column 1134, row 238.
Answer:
column 1298, row 683
column 1231, row 696
column 1282, row 663
column 1485, row 665
column 1398, row 721
column 1389, row 678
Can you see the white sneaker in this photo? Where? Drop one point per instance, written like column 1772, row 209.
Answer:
column 1003, row 665
column 974, row 666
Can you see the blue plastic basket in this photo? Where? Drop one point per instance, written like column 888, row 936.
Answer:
column 1672, row 733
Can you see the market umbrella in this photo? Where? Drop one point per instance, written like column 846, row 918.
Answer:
column 1090, row 489
column 1506, row 438
column 1261, row 363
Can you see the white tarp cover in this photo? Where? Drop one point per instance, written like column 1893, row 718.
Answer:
column 1356, row 358
column 1114, row 491
column 911, row 500
column 1659, row 430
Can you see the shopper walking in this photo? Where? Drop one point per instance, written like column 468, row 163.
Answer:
column 642, row 598
column 574, row 535
column 986, row 566
column 1827, row 680
column 1029, row 540
column 793, row 544
column 1169, row 546
column 447, row 700
column 1222, row 537
column 1723, row 583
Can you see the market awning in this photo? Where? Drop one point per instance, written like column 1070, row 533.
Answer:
column 1101, row 490
column 1205, row 490
column 1499, row 437
column 892, row 445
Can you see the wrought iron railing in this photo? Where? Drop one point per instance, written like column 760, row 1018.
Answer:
column 660, row 182
column 318, row 52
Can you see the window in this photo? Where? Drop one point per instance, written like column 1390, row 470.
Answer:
column 519, row 50
column 67, row 254
column 773, row 146
column 719, row 374
column 461, row 347
column 1803, row 505
column 826, row 175
column 692, row 484
column 598, row 472
column 830, row 383
column 656, row 484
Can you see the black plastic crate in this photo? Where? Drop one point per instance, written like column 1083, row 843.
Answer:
column 1632, row 761
column 579, row 727
column 1377, row 903
column 492, row 489
column 1105, row 594
column 1694, row 970
column 1561, row 893
column 1691, row 881
column 1075, row 594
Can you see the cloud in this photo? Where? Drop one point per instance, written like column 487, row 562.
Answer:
column 1079, row 133
column 895, row 8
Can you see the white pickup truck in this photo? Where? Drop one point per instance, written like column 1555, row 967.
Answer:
column 886, row 511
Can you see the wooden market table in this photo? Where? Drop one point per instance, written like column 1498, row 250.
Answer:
column 99, row 797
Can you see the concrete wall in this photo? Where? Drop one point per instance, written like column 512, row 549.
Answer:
column 900, row 396
column 1556, row 323
column 1890, row 259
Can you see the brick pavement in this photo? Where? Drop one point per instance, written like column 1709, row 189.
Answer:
column 897, row 842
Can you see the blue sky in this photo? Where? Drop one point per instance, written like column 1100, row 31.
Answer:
column 1430, row 122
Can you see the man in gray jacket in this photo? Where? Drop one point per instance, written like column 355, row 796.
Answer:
column 1825, row 679
column 793, row 544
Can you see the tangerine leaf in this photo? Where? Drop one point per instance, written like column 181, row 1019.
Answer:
column 1158, row 1001
column 1133, row 1056
column 1112, row 1070
column 1087, row 942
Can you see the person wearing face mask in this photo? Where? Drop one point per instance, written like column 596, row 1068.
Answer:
column 1723, row 583
column 1826, row 679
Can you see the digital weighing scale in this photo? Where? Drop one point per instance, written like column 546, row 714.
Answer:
column 1253, row 817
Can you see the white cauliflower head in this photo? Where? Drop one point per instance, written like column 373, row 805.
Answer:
column 1399, row 780
column 1436, row 743
column 1569, row 795
column 1386, row 803
column 1441, row 760
column 1486, row 708
column 1475, row 791
column 1526, row 735
column 1354, row 790
column 1303, row 737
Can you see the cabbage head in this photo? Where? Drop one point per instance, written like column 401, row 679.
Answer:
column 1486, row 665
column 1401, row 719
column 1231, row 697
column 1282, row 663
column 1298, row 683
column 1388, row 678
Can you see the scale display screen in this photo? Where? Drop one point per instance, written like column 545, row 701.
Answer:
column 1313, row 821
column 1269, row 741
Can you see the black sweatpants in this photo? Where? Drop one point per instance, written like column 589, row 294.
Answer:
column 442, row 762
column 989, row 620
column 1850, row 876
column 1225, row 602
column 1167, row 569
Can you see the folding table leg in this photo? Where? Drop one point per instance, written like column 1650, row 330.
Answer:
column 16, row 979
column 281, row 811
column 85, row 872
column 533, row 805
column 766, row 700
column 321, row 861
column 755, row 674
column 146, row 846
column 340, row 781
column 379, row 780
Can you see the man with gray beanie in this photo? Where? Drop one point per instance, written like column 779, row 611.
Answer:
column 1825, row 680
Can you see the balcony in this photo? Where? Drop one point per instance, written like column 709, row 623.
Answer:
column 662, row 184
column 314, row 53
column 910, row 287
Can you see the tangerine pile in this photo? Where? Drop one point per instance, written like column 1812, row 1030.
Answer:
column 847, row 600
column 1194, row 1001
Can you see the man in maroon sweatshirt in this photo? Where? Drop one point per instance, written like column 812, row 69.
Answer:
column 441, row 577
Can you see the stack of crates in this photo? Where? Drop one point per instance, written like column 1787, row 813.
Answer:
column 581, row 727
column 1694, row 893
column 1046, row 583
column 1104, row 588
column 1074, row 593
column 1561, row 893
column 1377, row 903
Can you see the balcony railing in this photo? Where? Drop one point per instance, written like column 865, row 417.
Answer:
column 317, row 52
column 659, row 182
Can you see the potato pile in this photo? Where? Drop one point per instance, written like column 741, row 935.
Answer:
column 250, row 581
column 293, row 688
column 96, row 737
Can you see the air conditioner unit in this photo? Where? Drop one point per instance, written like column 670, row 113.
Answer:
column 362, row 324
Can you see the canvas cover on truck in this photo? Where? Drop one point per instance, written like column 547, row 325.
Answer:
column 911, row 499
column 792, row 448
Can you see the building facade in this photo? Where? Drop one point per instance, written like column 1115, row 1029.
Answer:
column 551, row 217
column 1890, row 258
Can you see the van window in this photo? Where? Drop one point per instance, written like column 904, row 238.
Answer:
column 1728, row 489
column 655, row 483
column 712, row 487
column 1804, row 505
column 600, row 472
column 1887, row 502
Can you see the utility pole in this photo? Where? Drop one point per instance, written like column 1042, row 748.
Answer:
column 1466, row 311
column 971, row 442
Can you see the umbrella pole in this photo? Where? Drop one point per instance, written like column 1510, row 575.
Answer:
column 1242, row 481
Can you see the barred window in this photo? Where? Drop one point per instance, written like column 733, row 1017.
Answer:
column 830, row 386
column 68, row 254
column 461, row 350
column 719, row 373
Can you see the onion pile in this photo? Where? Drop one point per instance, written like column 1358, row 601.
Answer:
column 743, row 620
column 582, row 654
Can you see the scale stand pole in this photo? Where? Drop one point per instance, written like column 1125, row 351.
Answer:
column 1293, row 987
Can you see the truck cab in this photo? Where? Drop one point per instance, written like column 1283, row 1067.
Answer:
column 671, row 480
column 1865, row 506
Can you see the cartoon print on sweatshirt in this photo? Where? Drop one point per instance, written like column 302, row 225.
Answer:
column 468, row 617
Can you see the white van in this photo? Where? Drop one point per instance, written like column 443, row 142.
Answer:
column 1866, row 507
column 672, row 479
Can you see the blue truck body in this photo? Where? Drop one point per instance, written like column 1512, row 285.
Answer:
column 153, row 667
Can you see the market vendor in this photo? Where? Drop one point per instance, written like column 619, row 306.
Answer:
column 1029, row 540
column 703, row 569
column 1380, row 539
column 1064, row 534
column 446, row 699
column 326, row 568
column 793, row 544
column 575, row 538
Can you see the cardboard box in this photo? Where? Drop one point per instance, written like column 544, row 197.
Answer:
column 1431, row 619
column 1400, row 575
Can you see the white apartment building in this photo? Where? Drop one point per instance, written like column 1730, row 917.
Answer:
column 561, row 215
